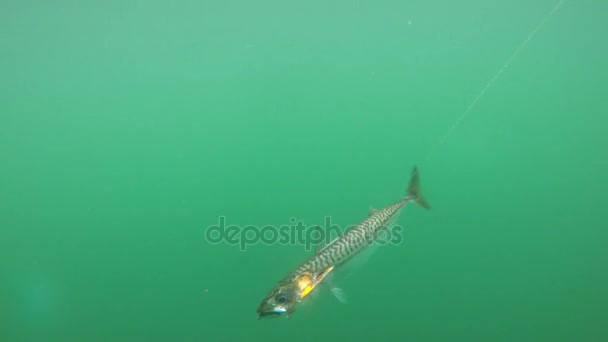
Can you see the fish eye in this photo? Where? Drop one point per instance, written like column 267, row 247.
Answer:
column 280, row 298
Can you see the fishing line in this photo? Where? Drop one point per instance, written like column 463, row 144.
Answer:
column 467, row 111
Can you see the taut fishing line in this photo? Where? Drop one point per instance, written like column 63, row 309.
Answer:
column 467, row 111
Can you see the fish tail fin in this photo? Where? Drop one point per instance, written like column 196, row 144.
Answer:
column 413, row 191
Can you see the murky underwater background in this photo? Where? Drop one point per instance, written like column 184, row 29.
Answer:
column 128, row 128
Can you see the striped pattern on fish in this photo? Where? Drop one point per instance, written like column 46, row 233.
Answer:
column 353, row 241
column 301, row 282
column 358, row 238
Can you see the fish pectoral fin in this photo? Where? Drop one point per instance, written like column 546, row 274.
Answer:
column 339, row 294
column 335, row 290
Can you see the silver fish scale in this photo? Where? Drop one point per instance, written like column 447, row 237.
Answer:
column 352, row 242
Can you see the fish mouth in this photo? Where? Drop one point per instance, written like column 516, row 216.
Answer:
column 268, row 311
column 269, row 314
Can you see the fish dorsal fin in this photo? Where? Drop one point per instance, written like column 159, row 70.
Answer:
column 322, row 247
column 372, row 211
column 319, row 247
column 319, row 235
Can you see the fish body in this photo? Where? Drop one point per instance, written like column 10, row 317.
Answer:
column 301, row 282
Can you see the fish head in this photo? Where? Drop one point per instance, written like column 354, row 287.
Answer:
column 280, row 301
column 284, row 297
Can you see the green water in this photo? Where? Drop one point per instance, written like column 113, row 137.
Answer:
column 127, row 128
